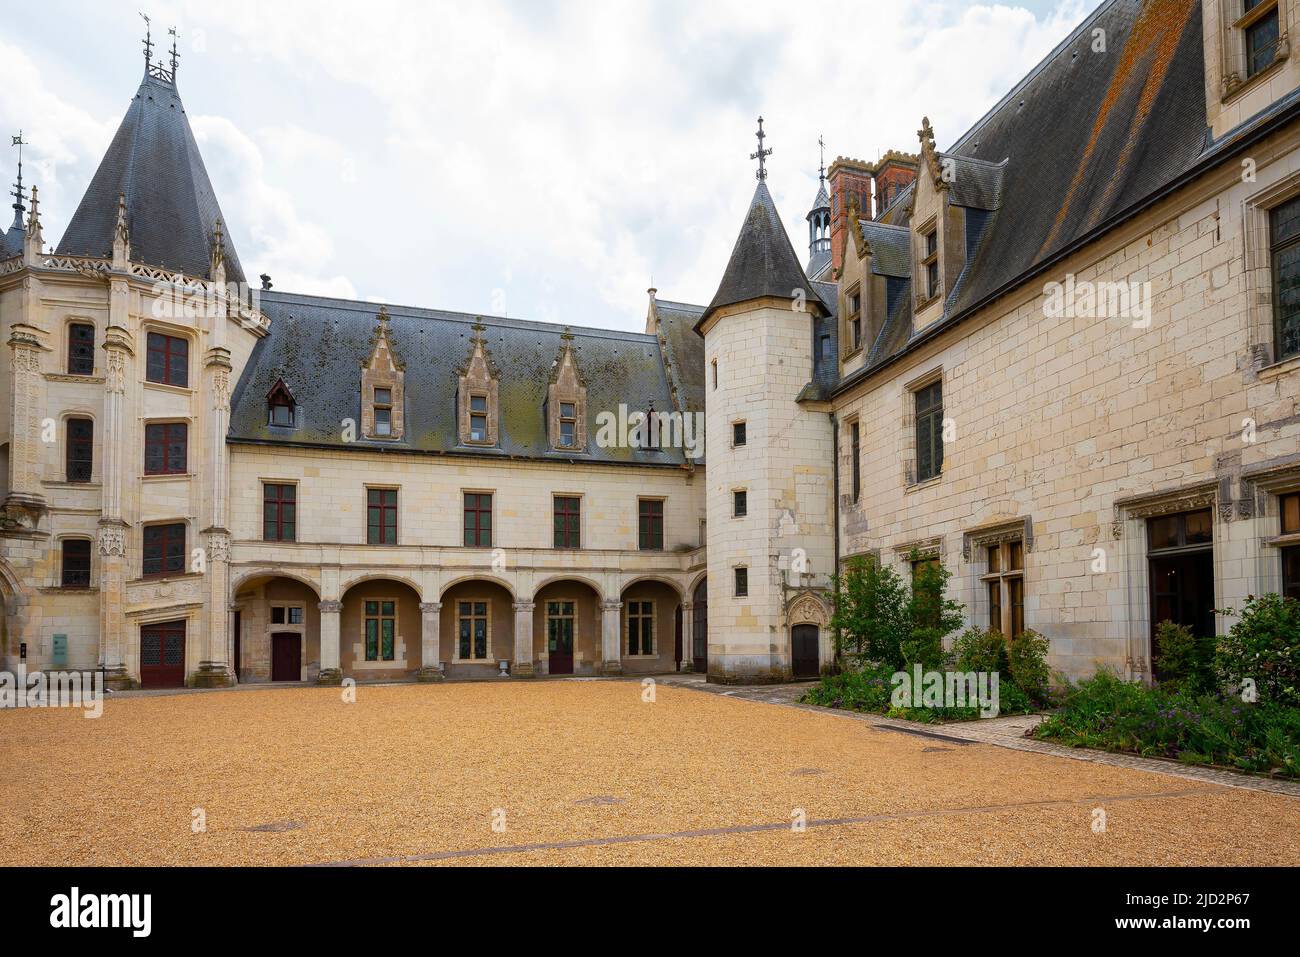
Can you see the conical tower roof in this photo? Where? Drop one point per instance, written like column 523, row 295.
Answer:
column 763, row 263
column 171, row 208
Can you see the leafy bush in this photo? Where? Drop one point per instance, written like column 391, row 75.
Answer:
column 1115, row 715
column 1027, row 662
column 1263, row 646
column 870, row 613
column 1186, row 660
column 930, row 615
column 1011, row 700
column 978, row 650
column 865, row 690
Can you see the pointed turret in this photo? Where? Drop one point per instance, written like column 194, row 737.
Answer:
column 819, row 228
column 154, row 162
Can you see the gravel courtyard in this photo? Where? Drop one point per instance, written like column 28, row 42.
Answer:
column 579, row 772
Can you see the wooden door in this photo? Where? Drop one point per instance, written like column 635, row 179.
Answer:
column 238, row 655
column 286, row 657
column 162, row 655
column 804, row 661
column 1182, row 591
column 559, row 637
column 700, row 628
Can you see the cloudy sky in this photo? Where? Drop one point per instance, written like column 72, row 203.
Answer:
column 540, row 160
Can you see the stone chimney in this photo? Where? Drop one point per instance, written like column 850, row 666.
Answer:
column 894, row 173
column 847, row 178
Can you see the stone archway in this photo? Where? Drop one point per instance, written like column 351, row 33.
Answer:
column 809, row 643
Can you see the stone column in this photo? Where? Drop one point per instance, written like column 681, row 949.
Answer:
column 112, row 644
column 25, row 503
column 114, row 436
column 688, row 636
column 611, row 637
column 430, row 641
column 214, row 668
column 523, row 664
column 331, row 672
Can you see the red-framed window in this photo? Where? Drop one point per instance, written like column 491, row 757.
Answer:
column 167, row 360
column 279, row 513
column 381, row 516
column 76, row 563
column 164, row 549
column 166, row 448
column 80, row 452
column 650, row 524
column 81, row 349
column 568, row 522
column 478, row 519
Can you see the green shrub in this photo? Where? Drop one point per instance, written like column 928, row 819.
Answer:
column 870, row 612
column 1027, row 662
column 1186, row 661
column 864, row 690
column 1115, row 715
column 978, row 650
column 1263, row 647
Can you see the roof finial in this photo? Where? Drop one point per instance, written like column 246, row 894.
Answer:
column 821, row 160
column 34, row 222
column 218, row 247
column 762, row 153
column 148, row 41
column 175, row 56
column 121, row 230
column 17, row 192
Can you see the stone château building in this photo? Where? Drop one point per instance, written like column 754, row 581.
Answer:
column 1062, row 356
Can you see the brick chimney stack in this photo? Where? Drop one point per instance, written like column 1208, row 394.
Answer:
column 893, row 173
column 847, row 179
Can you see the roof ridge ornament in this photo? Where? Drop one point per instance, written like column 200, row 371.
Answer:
column 821, row 160
column 17, row 192
column 762, row 154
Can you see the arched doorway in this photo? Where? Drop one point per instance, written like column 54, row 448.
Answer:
column 566, row 629
column 380, row 629
column 700, row 627
column 804, row 642
column 276, row 630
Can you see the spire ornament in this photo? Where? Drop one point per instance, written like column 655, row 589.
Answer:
column 17, row 192
column 821, row 160
column 762, row 154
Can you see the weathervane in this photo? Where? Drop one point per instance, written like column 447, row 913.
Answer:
column 148, row 40
column 17, row 193
column 762, row 153
column 821, row 160
column 175, row 56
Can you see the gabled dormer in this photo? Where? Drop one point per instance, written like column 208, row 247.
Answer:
column 1249, row 63
column 875, row 272
column 477, row 408
column 383, row 377
column 566, row 401
column 938, row 232
column 281, row 407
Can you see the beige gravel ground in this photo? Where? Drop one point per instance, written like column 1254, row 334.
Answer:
column 418, row 771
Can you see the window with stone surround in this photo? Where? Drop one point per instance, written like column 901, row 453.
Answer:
column 640, row 628
column 166, row 448
column 167, row 359
column 80, row 449
column 75, row 563
column 478, row 520
column 280, row 405
column 1284, row 255
column 739, row 503
column 930, row 263
column 566, row 400
column 929, row 430
column 381, row 516
column 650, row 524
column 1260, row 34
column 81, row 348
column 738, row 436
column 855, row 463
column 381, row 629
column 853, row 319
column 741, row 581
column 279, row 512
column 286, row 614
column 383, row 381
column 473, row 621
column 568, row 521
column 477, row 411
column 164, row 550
column 1289, row 506
column 1004, row 581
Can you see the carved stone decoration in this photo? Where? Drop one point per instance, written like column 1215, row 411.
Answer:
column 383, row 370
column 1117, row 530
column 1017, row 530
column 330, row 607
column 930, row 153
column 112, row 541
column 1165, row 503
column 478, row 377
column 566, row 388
column 808, row 609
column 218, row 547
column 925, row 548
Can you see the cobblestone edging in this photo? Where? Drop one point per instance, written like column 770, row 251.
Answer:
column 1005, row 733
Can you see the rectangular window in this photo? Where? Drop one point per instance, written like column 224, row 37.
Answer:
column 1261, row 36
column 478, row 419
column 167, row 360
column 80, row 452
column 854, row 309
column 930, row 263
column 995, row 605
column 1004, row 579
column 740, row 503
column 164, row 550
column 713, row 366
column 381, row 516
column 383, row 411
column 381, row 629
column 737, row 433
column 650, row 524
column 824, row 343
column 472, row 624
column 1290, row 509
column 286, row 614
column 166, row 448
column 279, row 513
column 568, row 425
column 929, row 431
column 76, row 563
column 282, row 414
column 1284, row 237
column 855, row 466
column 640, row 627
column 478, row 519
column 568, row 522
column 81, row 349
column 742, row 582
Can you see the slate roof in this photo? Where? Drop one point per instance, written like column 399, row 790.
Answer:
column 317, row 346
column 976, row 184
column 684, row 350
column 891, row 248
column 171, row 207
column 763, row 262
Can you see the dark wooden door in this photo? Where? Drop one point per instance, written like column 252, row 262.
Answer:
column 677, row 636
column 1182, row 591
column 700, row 628
column 286, row 657
column 803, row 651
column 162, row 655
column 559, row 637
column 237, row 664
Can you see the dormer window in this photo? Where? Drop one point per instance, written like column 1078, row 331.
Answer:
column 568, row 424
column 854, row 314
column 930, row 264
column 281, row 405
column 566, row 400
column 1259, row 24
column 478, row 418
column 383, row 378
column 383, row 405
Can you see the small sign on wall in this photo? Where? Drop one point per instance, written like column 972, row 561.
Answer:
column 59, row 652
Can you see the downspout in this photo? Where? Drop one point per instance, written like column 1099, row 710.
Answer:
column 835, row 521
